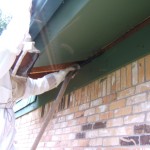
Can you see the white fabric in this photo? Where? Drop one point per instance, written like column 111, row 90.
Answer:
column 12, row 38
column 10, row 46
column 17, row 29
column 59, row 76
column 13, row 88
column 19, row 88
column 7, row 129
column 28, row 46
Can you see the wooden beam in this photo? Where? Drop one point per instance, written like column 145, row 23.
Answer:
column 38, row 72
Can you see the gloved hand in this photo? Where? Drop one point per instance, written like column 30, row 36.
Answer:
column 60, row 76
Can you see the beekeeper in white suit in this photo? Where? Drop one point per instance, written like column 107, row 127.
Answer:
column 14, row 87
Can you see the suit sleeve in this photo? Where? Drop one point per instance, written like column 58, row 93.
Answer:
column 39, row 86
column 44, row 84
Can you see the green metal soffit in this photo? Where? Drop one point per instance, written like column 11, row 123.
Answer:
column 79, row 28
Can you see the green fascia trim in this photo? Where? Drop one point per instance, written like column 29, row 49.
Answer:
column 136, row 46
column 43, row 11
column 59, row 21
column 24, row 103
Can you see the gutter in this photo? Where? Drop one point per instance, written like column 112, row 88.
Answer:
column 42, row 11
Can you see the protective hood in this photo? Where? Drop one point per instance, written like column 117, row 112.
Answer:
column 25, row 60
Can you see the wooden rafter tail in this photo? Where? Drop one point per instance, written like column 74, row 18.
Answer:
column 37, row 72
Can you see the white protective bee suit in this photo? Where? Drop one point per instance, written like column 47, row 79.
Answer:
column 13, row 88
